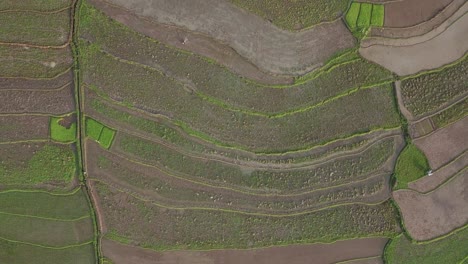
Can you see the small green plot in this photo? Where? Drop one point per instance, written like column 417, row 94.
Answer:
column 99, row 132
column 63, row 128
column 353, row 14
column 378, row 15
column 411, row 165
column 93, row 128
column 365, row 14
column 106, row 137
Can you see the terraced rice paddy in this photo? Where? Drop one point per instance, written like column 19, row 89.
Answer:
column 139, row 130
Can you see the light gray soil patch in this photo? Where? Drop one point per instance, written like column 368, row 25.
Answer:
column 296, row 254
column 445, row 48
column 445, row 144
column 427, row 216
column 251, row 36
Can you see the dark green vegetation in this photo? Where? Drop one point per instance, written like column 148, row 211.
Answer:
column 63, row 129
column 99, row 132
column 448, row 249
column 451, row 114
column 432, row 91
column 29, row 164
column 411, row 165
column 361, row 16
column 295, row 15
column 35, row 28
column 200, row 229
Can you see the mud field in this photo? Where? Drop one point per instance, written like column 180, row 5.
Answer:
column 427, row 216
column 17, row 128
column 444, row 144
column 408, row 13
column 319, row 253
column 229, row 24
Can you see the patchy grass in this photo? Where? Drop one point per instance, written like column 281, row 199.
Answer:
column 449, row 249
column 164, row 228
column 411, row 165
column 330, row 173
column 37, row 5
column 378, row 15
column 33, row 62
column 295, row 15
column 32, row 164
column 19, row 253
column 35, row 28
column 46, row 232
column 451, row 114
column 63, row 206
column 63, row 129
column 99, row 132
column 431, row 91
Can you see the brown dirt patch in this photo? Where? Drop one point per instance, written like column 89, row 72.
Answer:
column 239, row 29
column 429, row 183
column 49, row 102
column 36, row 84
column 427, row 216
column 444, row 144
column 68, row 121
column 416, row 56
column 296, row 254
column 408, row 13
column 193, row 42
column 421, row 128
column 420, row 29
column 17, row 128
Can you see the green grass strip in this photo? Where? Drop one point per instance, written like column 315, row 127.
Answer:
column 365, row 14
column 411, row 165
column 352, row 15
column 378, row 15
column 106, row 137
column 61, row 133
column 99, row 132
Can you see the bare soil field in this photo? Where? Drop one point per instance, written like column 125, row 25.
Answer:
column 36, row 84
column 192, row 42
column 427, row 216
column 408, row 13
column 422, row 28
column 296, row 254
column 444, row 48
column 429, row 183
column 444, row 144
column 17, row 128
column 47, row 102
column 221, row 20
column 421, row 128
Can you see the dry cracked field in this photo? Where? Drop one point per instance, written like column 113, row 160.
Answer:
column 233, row 131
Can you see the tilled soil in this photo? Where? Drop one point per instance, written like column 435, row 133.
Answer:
column 420, row 29
column 427, row 216
column 251, row 36
column 295, row 254
column 17, row 128
column 445, row 144
column 193, row 42
column 47, row 102
column 445, row 48
column 408, row 13
column 36, row 84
